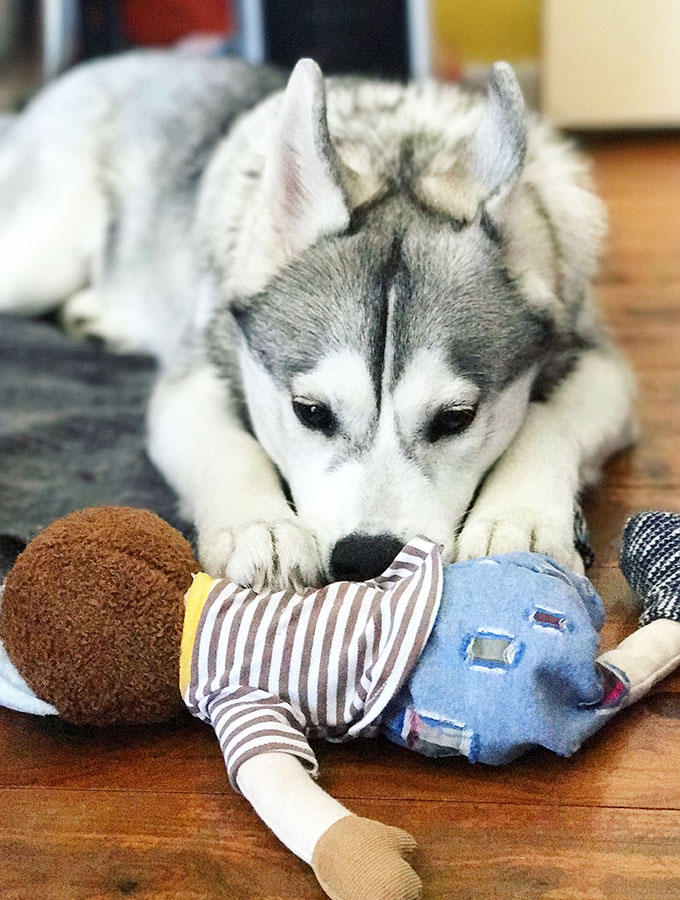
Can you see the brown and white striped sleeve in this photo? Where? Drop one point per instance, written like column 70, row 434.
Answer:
column 408, row 609
column 263, row 669
column 221, row 689
column 249, row 721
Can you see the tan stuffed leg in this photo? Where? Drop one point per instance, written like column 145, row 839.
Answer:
column 359, row 858
column 353, row 858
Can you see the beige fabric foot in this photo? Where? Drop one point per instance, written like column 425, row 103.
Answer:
column 358, row 858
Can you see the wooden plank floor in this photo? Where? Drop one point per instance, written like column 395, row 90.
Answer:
column 147, row 813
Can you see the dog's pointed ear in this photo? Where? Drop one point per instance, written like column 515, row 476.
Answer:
column 301, row 185
column 496, row 150
column 489, row 161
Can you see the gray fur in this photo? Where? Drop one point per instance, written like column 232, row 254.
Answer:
column 292, row 324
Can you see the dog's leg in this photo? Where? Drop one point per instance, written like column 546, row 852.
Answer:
column 52, row 207
column 527, row 500
column 45, row 250
column 246, row 528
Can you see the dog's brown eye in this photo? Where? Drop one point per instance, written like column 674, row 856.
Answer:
column 316, row 416
column 451, row 421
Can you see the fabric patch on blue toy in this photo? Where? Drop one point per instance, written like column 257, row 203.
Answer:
column 434, row 736
column 493, row 651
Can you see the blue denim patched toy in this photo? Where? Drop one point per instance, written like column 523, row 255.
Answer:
column 510, row 664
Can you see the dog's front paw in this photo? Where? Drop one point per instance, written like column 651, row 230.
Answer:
column 275, row 554
column 84, row 317
column 507, row 529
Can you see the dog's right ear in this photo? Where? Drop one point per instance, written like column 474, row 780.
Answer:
column 301, row 194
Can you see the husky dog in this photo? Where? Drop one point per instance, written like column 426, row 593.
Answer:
column 374, row 296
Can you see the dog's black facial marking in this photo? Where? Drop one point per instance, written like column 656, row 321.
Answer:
column 402, row 284
column 244, row 314
column 241, row 311
column 360, row 214
column 392, row 277
column 463, row 306
column 558, row 365
column 441, row 218
column 489, row 227
column 327, row 300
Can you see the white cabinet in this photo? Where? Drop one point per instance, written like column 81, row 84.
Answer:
column 611, row 63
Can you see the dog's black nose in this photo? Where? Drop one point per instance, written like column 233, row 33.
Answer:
column 359, row 557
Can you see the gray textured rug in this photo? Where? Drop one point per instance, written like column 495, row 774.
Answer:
column 71, row 432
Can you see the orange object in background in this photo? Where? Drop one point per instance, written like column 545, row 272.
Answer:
column 159, row 22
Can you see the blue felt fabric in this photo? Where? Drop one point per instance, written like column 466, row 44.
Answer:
column 510, row 664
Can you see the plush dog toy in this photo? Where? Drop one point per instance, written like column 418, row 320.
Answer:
column 484, row 658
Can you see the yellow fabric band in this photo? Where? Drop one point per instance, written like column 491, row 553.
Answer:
column 195, row 601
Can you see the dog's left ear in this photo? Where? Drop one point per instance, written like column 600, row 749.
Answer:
column 490, row 160
column 302, row 194
column 495, row 153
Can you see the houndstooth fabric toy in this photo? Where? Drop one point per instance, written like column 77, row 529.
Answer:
column 650, row 561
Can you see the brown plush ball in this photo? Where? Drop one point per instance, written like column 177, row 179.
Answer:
column 92, row 615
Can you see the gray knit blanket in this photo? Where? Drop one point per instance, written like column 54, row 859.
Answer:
column 72, row 422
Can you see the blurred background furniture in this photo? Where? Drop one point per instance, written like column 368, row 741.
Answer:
column 385, row 38
column 41, row 38
column 611, row 64
column 604, row 64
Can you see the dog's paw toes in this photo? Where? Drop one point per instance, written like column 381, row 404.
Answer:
column 519, row 530
column 83, row 317
column 215, row 549
column 81, row 313
column 474, row 540
column 275, row 555
column 558, row 543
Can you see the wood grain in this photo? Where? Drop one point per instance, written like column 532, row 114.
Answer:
column 81, row 845
column 148, row 812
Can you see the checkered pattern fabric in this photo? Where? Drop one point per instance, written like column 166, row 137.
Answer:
column 582, row 538
column 650, row 560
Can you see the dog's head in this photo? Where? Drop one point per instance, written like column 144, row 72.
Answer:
column 387, row 348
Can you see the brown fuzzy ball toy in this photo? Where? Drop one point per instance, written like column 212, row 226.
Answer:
column 92, row 615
